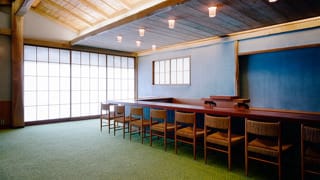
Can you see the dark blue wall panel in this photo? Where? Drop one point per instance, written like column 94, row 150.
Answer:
column 282, row 80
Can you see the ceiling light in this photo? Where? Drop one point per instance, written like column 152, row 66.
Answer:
column 273, row 1
column 171, row 23
column 119, row 39
column 154, row 47
column 138, row 43
column 141, row 32
column 212, row 11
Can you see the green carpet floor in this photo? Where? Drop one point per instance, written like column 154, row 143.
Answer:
column 78, row 150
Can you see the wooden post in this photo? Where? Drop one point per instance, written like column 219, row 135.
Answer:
column 17, row 68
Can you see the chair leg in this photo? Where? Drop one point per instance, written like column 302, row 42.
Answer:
column 246, row 162
column 175, row 144
column 194, row 149
column 229, row 157
column 114, row 129
column 100, row 124
column 279, row 168
column 109, row 125
column 142, row 134
column 205, row 151
column 130, row 130
column 165, row 141
column 150, row 137
column 123, row 130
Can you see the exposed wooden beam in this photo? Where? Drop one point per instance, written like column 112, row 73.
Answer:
column 25, row 6
column 139, row 15
column 56, row 44
column 5, row 31
column 17, row 65
column 35, row 3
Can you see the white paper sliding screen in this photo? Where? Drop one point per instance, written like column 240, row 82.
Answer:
column 61, row 83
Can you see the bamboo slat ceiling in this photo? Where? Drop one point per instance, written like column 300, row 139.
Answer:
column 192, row 20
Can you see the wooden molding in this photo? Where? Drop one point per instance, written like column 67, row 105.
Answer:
column 146, row 12
column 284, row 110
column 236, row 61
column 23, row 6
column 5, row 31
column 279, row 49
column 66, row 45
column 275, row 29
column 56, row 44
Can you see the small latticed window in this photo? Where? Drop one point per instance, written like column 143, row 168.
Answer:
column 175, row 71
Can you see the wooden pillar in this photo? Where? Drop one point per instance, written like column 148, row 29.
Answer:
column 17, row 68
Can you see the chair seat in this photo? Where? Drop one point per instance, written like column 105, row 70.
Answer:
column 139, row 123
column 160, row 127
column 188, row 132
column 112, row 116
column 221, row 138
column 122, row 120
column 266, row 147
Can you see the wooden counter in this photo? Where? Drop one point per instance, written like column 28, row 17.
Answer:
column 246, row 113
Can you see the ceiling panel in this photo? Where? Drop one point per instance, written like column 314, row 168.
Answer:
column 192, row 20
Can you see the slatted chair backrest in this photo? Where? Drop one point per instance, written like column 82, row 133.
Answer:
column 217, row 122
column 184, row 117
column 271, row 129
column 311, row 134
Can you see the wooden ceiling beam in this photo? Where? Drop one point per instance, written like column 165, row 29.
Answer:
column 35, row 3
column 23, row 6
column 144, row 13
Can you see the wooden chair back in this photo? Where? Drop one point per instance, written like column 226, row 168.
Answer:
column 271, row 129
column 217, row 122
column 158, row 114
column 136, row 112
column 186, row 118
column 311, row 134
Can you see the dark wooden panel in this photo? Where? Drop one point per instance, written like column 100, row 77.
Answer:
column 5, row 114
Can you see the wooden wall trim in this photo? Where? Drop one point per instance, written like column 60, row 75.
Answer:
column 5, row 31
column 236, row 59
column 67, row 45
column 5, row 114
column 280, row 49
column 284, row 110
column 265, row 31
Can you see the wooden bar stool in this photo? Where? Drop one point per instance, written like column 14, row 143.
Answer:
column 186, row 130
column 263, row 143
column 218, row 136
column 310, row 150
column 159, row 125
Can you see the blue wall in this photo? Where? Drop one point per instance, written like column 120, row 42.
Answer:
column 282, row 80
column 212, row 72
